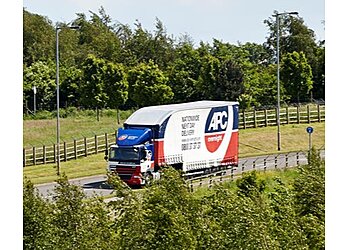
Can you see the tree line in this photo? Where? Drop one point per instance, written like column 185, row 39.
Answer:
column 249, row 214
column 107, row 64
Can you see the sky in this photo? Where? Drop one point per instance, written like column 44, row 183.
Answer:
column 226, row 20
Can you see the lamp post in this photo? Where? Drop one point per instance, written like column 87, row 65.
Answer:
column 58, row 96
column 277, row 15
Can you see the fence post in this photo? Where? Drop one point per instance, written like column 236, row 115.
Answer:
column 85, row 147
column 75, row 149
column 276, row 161
column 34, row 156
column 210, row 181
column 254, row 164
column 286, row 160
column 96, row 144
column 298, row 114
column 318, row 113
column 297, row 158
column 254, row 113
column 308, row 114
column 266, row 121
column 244, row 120
column 231, row 173
column 44, row 154
column 264, row 164
column 242, row 167
column 65, row 151
column 24, row 157
column 106, row 141
column 287, row 114
column 54, row 153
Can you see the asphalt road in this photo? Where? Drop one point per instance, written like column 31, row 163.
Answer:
column 96, row 185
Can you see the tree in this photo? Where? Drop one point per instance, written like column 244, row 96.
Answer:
column 116, row 86
column 38, row 38
column 42, row 76
column 184, row 73
column 165, row 216
column 70, row 82
column 296, row 76
column 221, row 80
column 309, row 189
column 148, row 85
column 294, row 36
column 97, row 36
column 260, row 86
column 37, row 227
column 104, row 83
column 93, row 92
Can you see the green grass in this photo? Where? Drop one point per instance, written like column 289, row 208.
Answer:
column 43, row 132
column 86, row 166
column 252, row 142
column 261, row 141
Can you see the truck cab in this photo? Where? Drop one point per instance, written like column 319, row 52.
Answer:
column 132, row 156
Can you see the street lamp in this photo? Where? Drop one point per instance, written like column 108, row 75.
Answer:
column 277, row 15
column 58, row 96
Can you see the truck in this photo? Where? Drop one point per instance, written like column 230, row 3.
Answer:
column 196, row 137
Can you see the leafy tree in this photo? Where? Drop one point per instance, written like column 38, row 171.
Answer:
column 221, row 80
column 286, row 227
column 318, row 72
column 92, row 92
column 163, row 218
column 70, row 83
column 294, row 36
column 79, row 224
column 148, row 85
column 38, row 38
column 250, row 184
column 104, row 83
column 184, row 73
column 37, row 227
column 41, row 75
column 116, row 85
column 260, row 86
column 296, row 76
column 309, row 188
column 97, row 37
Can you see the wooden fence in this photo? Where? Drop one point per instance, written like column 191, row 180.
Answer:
column 99, row 143
column 68, row 150
column 289, row 115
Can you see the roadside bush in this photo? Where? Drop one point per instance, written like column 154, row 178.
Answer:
column 165, row 215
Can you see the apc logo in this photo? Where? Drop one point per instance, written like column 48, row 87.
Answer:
column 215, row 128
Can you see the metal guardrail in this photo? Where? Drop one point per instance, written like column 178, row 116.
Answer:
column 261, row 163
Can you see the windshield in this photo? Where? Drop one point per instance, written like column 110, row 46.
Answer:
column 124, row 154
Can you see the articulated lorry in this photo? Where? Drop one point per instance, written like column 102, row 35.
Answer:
column 196, row 137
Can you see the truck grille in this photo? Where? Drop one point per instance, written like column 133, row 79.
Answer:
column 125, row 176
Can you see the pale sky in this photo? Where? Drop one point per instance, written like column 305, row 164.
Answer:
column 226, row 20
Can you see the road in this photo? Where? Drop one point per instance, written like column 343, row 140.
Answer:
column 96, row 185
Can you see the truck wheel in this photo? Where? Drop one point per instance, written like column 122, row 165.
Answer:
column 148, row 178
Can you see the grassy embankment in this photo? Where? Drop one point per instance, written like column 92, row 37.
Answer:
column 252, row 142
